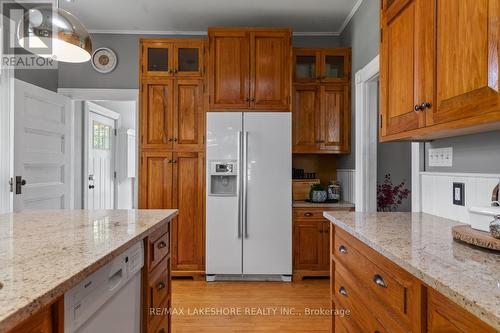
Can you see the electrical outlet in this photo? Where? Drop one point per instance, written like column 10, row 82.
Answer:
column 441, row 157
column 459, row 194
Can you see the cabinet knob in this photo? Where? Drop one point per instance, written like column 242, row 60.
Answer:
column 162, row 244
column 169, row 139
column 343, row 291
column 379, row 281
column 174, row 139
column 342, row 249
column 252, row 99
column 426, row 105
column 308, row 214
column 161, row 285
column 91, row 187
column 175, row 71
column 247, row 99
column 418, row 108
column 174, row 161
column 161, row 331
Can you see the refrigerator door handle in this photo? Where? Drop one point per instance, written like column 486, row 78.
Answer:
column 245, row 182
column 240, row 182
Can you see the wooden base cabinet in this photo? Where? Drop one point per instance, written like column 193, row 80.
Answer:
column 48, row 320
column 382, row 297
column 439, row 68
column 176, row 180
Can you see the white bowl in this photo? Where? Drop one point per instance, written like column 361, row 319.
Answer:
column 481, row 217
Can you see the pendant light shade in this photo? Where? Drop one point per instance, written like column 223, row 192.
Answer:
column 53, row 32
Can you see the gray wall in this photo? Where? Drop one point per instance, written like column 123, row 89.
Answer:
column 362, row 35
column 477, row 153
column 126, row 73
column 45, row 78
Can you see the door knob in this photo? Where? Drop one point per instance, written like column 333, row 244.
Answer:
column 91, row 187
column 20, row 182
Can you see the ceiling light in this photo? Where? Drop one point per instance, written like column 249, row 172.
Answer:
column 48, row 31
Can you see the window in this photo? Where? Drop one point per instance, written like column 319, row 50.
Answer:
column 102, row 136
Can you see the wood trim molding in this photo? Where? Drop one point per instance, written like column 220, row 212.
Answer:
column 366, row 136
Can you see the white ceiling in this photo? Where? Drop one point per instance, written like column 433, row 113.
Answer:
column 307, row 17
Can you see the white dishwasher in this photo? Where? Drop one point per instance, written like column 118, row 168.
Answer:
column 109, row 300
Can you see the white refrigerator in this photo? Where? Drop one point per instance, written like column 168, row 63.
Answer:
column 249, row 196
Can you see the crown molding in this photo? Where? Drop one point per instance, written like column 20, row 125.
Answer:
column 349, row 17
column 204, row 33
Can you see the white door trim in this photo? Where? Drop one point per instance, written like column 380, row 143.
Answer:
column 6, row 138
column 417, row 165
column 87, row 94
column 366, row 136
column 96, row 108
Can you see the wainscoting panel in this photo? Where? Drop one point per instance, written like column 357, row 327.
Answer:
column 437, row 193
column 346, row 178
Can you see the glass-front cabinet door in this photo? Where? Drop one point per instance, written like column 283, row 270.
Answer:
column 189, row 58
column 306, row 65
column 157, row 58
column 336, row 64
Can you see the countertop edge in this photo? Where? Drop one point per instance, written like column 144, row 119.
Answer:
column 464, row 302
column 21, row 314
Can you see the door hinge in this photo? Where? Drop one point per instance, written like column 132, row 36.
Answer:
column 11, row 184
column 381, row 35
column 381, row 121
column 114, row 131
column 114, row 174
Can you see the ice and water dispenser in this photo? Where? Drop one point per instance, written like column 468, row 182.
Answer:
column 223, row 178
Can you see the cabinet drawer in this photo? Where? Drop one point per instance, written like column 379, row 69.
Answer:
column 163, row 325
column 348, row 296
column 308, row 213
column 159, row 248
column 390, row 289
column 159, row 284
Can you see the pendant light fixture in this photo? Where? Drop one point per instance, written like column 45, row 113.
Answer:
column 48, row 31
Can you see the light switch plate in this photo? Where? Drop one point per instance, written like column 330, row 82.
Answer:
column 441, row 157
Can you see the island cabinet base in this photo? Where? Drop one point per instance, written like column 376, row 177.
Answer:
column 382, row 297
column 48, row 320
column 156, row 281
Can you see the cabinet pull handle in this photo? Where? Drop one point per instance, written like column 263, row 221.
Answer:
column 379, row 281
column 247, row 99
column 308, row 214
column 342, row 249
column 343, row 291
column 174, row 161
column 174, row 139
column 162, row 244
column 175, row 71
column 426, row 105
column 252, row 99
column 418, row 108
column 161, row 285
column 169, row 139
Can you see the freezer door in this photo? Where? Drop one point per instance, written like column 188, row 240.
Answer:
column 267, row 240
column 223, row 228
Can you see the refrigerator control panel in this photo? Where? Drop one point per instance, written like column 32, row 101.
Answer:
column 223, row 167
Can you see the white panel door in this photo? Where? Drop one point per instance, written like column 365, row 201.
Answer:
column 101, row 162
column 267, row 244
column 223, row 231
column 42, row 148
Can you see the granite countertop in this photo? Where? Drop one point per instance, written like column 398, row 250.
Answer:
column 306, row 204
column 46, row 253
column 423, row 245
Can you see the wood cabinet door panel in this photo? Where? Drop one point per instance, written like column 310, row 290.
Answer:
column 305, row 118
column 157, row 59
column 229, row 70
column 188, row 230
column 466, row 60
column 156, row 114
column 188, row 129
column 155, row 191
column 270, row 70
column 306, row 65
column 40, row 322
column 325, row 246
column 334, row 118
column 308, row 245
column 335, row 65
column 398, row 72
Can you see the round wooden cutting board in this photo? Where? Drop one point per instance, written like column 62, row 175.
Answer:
column 468, row 235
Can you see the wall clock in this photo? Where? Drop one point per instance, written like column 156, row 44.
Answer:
column 104, row 60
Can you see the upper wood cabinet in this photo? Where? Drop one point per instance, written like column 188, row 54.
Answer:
column 439, row 68
column 249, row 69
column 321, row 118
column 172, row 57
column 172, row 114
column 321, row 65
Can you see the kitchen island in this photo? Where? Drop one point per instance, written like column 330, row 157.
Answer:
column 415, row 271
column 45, row 253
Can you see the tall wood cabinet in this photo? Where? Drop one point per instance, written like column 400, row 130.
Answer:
column 321, row 101
column 172, row 143
column 439, row 68
column 249, row 69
